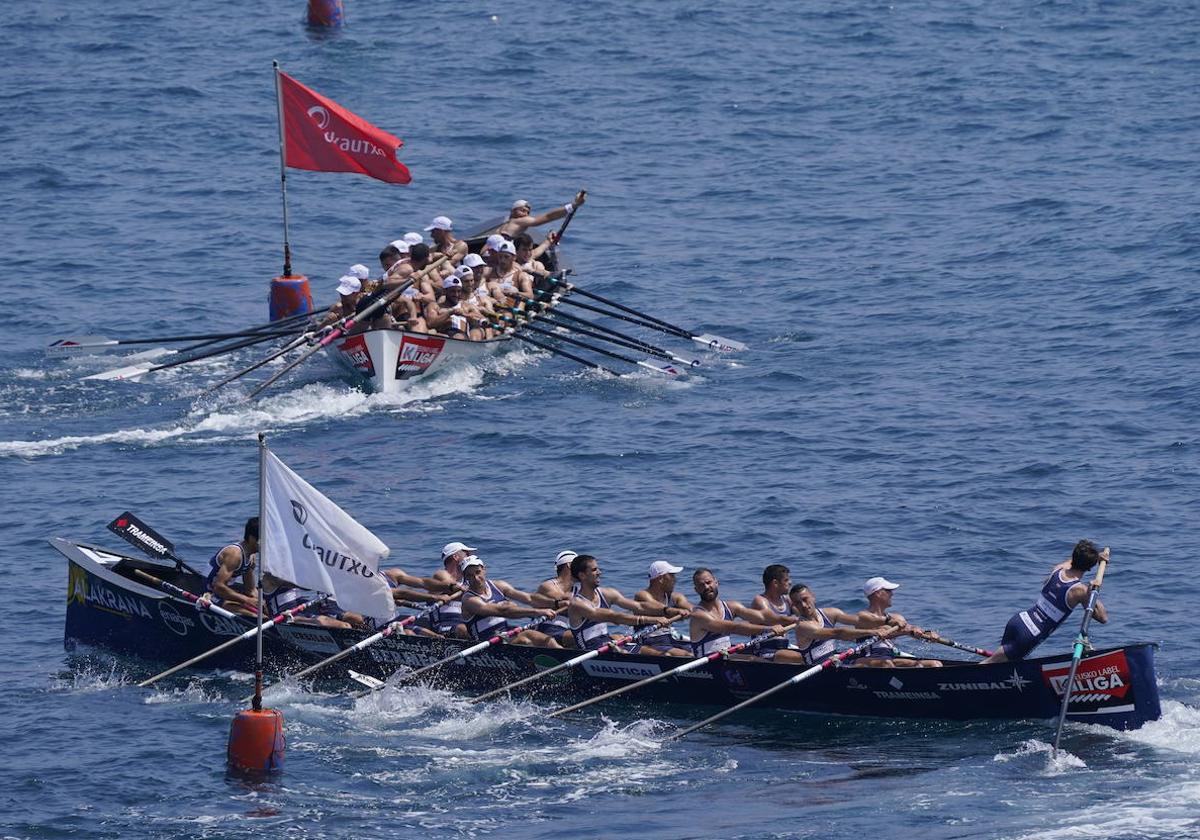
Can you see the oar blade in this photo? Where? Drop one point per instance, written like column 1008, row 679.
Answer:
column 366, row 680
column 664, row 369
column 130, row 373
column 720, row 344
column 82, row 344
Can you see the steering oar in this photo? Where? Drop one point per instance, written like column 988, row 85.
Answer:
column 1081, row 642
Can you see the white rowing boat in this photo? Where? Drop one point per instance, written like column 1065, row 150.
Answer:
column 389, row 359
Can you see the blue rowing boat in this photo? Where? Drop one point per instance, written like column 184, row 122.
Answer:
column 107, row 608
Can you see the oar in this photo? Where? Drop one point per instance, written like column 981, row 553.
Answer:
column 713, row 342
column 308, row 336
column 465, row 652
column 524, row 324
column 603, row 333
column 557, row 351
column 931, row 636
column 249, row 634
column 151, row 543
column 799, row 678
column 388, row 629
column 200, row 603
column 141, row 369
column 91, row 342
column 571, row 663
column 690, row 665
column 346, row 324
column 1080, row 643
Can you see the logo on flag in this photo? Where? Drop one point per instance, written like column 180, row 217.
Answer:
column 322, row 136
column 313, row 543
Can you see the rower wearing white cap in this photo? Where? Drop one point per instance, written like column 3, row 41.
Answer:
column 774, row 605
column 349, row 290
column 660, row 592
column 558, row 590
column 394, row 255
column 414, row 238
column 505, row 281
column 488, row 603
column 447, row 618
column 441, row 230
column 520, row 216
column 592, row 609
column 714, row 621
column 884, row 654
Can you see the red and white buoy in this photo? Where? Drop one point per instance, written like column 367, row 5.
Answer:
column 328, row 14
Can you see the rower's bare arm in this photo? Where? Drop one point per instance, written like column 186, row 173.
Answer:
column 512, row 593
column 403, row 593
column 719, row 625
column 766, row 617
column 627, row 603
column 840, row 616
column 1100, row 613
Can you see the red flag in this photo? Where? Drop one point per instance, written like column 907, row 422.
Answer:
column 323, row 136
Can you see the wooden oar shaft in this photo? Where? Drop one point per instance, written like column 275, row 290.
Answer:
column 1077, row 651
column 798, row 678
column 249, row 634
column 201, row 603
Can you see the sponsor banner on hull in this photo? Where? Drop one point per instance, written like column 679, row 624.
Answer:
column 417, row 354
column 355, row 350
column 1102, row 683
column 620, row 670
column 312, row 639
column 176, row 621
column 90, row 591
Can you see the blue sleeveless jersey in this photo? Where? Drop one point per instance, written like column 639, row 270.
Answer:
column 818, row 650
column 214, row 565
column 445, row 617
column 712, row 642
column 768, row 648
column 589, row 634
column 1029, row 628
column 486, row 626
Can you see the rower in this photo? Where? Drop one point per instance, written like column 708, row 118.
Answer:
column 280, row 595
column 774, row 605
column 505, row 281
column 883, row 654
column 406, row 587
column 520, row 216
column 591, row 611
column 414, row 238
column 349, row 289
column 527, row 256
column 714, row 620
column 235, row 560
column 1062, row 591
column 558, row 590
column 817, row 629
column 486, row 604
column 447, row 618
column 392, row 257
column 660, row 592
column 441, row 229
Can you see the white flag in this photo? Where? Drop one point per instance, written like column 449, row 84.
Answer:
column 313, row 543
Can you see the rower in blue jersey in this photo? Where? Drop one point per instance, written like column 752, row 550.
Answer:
column 660, row 592
column 774, row 606
column 446, row 618
column 487, row 604
column 1062, row 591
column 235, row 561
column 714, row 621
column 557, row 592
column 592, row 610
column 817, row 631
column 883, row 654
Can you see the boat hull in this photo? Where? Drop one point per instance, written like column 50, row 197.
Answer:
column 389, row 360
column 1114, row 687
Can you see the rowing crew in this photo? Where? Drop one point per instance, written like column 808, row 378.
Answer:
column 572, row 609
column 446, row 289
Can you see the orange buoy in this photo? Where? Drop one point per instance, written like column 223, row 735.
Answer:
column 256, row 741
column 290, row 295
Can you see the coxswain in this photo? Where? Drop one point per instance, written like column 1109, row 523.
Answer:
column 521, row 215
column 447, row 618
column 592, row 610
column 235, row 562
column 557, row 590
column 487, row 604
column 1062, row 591
column 441, row 230
column 774, row 606
column 660, row 592
column 817, row 630
column 714, row 620
column 883, row 654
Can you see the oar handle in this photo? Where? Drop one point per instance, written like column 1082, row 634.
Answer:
column 1099, row 580
column 170, row 588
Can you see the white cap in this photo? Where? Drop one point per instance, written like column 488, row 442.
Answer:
column 876, row 583
column 400, row 245
column 441, row 223
column 520, row 202
column 468, row 561
column 348, row 285
column 473, row 261
column 661, row 567
column 452, row 547
column 451, row 283
column 413, row 238
column 505, row 247
column 360, row 271
column 463, row 272
column 564, row 557
column 495, row 241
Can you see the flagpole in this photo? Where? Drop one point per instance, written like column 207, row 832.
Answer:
column 256, row 704
column 287, row 250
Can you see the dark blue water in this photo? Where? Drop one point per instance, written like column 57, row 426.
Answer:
column 961, row 240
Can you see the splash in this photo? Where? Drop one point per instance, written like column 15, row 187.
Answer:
column 1178, row 730
column 1053, row 765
